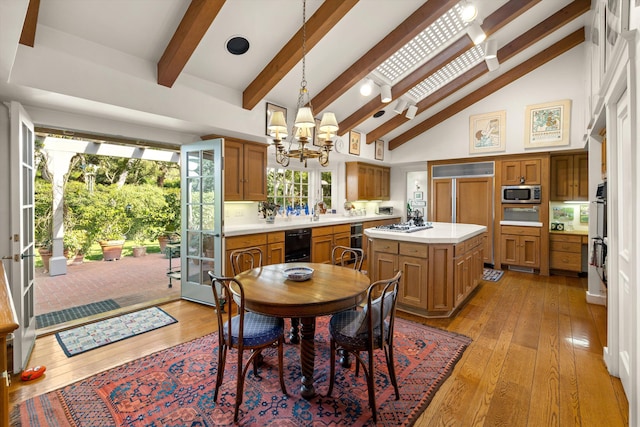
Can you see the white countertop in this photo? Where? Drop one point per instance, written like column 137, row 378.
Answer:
column 299, row 222
column 442, row 232
column 522, row 223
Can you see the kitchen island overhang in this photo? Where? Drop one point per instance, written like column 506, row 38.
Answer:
column 441, row 266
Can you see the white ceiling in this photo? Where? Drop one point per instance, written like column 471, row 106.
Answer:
column 99, row 58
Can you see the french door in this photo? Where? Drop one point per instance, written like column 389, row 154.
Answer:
column 202, row 201
column 22, row 237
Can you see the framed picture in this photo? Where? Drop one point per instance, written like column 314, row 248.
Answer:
column 271, row 108
column 547, row 125
column 317, row 138
column 354, row 143
column 487, row 132
column 379, row 149
column 418, row 195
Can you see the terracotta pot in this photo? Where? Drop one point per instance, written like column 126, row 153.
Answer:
column 163, row 240
column 45, row 254
column 139, row 251
column 111, row 249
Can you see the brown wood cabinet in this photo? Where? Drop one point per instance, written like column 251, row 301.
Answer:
column 365, row 241
column 569, row 177
column 365, row 181
column 8, row 324
column 245, row 170
column 518, row 172
column 271, row 244
column 565, row 252
column 324, row 239
column 520, row 246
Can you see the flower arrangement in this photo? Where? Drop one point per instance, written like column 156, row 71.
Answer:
column 268, row 209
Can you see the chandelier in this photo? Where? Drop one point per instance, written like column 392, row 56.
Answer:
column 304, row 124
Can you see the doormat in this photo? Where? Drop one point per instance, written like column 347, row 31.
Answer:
column 73, row 313
column 491, row 275
column 88, row 337
column 174, row 387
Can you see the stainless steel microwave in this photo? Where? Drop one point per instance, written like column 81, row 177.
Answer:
column 521, row 194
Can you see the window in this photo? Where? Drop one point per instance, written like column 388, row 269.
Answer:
column 293, row 189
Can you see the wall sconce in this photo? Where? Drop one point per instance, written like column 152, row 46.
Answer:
column 492, row 63
column 411, row 112
column 491, row 55
column 385, row 93
column 475, row 32
column 367, row 87
column 400, row 106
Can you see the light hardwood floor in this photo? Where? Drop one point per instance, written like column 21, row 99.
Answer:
column 535, row 360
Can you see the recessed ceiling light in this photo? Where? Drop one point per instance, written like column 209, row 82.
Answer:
column 378, row 114
column 237, row 45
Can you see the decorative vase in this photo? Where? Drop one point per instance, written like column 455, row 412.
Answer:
column 270, row 219
column 45, row 254
column 139, row 251
column 111, row 249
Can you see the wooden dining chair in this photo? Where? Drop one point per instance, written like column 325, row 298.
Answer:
column 346, row 256
column 366, row 330
column 243, row 331
column 245, row 259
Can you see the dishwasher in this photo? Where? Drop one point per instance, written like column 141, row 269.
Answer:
column 297, row 245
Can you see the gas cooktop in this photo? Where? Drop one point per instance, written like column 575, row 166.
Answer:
column 406, row 227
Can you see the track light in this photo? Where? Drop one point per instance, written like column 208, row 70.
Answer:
column 469, row 11
column 492, row 63
column 400, row 106
column 491, row 49
column 385, row 93
column 366, row 88
column 475, row 33
column 411, row 111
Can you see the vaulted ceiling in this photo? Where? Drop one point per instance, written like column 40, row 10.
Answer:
column 165, row 49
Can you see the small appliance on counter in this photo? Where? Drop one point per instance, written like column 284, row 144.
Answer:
column 385, row 210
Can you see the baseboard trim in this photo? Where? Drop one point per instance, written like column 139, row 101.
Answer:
column 596, row 299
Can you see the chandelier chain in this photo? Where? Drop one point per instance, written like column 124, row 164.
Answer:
column 303, row 84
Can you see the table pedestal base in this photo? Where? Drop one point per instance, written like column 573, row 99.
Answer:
column 307, row 356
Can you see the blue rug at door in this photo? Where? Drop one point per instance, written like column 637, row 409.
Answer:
column 94, row 335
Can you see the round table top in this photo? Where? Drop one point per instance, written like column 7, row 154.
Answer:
column 331, row 289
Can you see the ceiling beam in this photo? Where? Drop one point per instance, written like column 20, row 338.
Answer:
column 28, row 35
column 194, row 25
column 516, row 46
column 322, row 21
column 557, row 49
column 498, row 19
column 424, row 16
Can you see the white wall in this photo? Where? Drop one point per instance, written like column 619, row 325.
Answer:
column 561, row 78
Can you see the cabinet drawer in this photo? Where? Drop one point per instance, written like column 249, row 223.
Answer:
column 520, row 231
column 275, row 237
column 245, row 241
column 387, row 246
column 565, row 261
column 418, row 250
column 565, row 238
column 471, row 243
column 566, row 247
column 321, row 231
column 343, row 228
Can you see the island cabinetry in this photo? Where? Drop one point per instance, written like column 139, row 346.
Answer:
column 521, row 172
column 372, row 224
column 271, row 244
column 569, row 177
column 365, row 181
column 245, row 171
column 437, row 278
column 324, row 239
column 520, row 246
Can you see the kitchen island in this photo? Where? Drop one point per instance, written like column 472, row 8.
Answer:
column 441, row 266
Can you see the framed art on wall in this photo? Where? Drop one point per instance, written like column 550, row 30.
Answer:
column 271, row 108
column 548, row 124
column 379, row 149
column 487, row 132
column 354, row 143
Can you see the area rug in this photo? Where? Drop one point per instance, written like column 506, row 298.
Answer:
column 492, row 275
column 73, row 313
column 88, row 337
column 174, row 387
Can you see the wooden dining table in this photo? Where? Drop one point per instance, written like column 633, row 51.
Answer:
column 331, row 289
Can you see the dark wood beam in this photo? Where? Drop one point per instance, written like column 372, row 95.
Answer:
column 28, row 35
column 524, row 41
column 557, row 49
column 498, row 19
column 317, row 26
column 424, row 16
column 194, row 25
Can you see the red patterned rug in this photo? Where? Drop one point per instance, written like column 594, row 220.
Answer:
column 174, row 387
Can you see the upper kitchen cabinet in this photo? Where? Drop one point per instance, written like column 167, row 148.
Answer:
column 570, row 177
column 245, row 170
column 521, row 172
column 367, row 182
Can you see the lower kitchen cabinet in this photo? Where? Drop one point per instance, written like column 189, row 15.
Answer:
column 271, row 244
column 565, row 252
column 436, row 278
column 520, row 246
column 324, row 239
